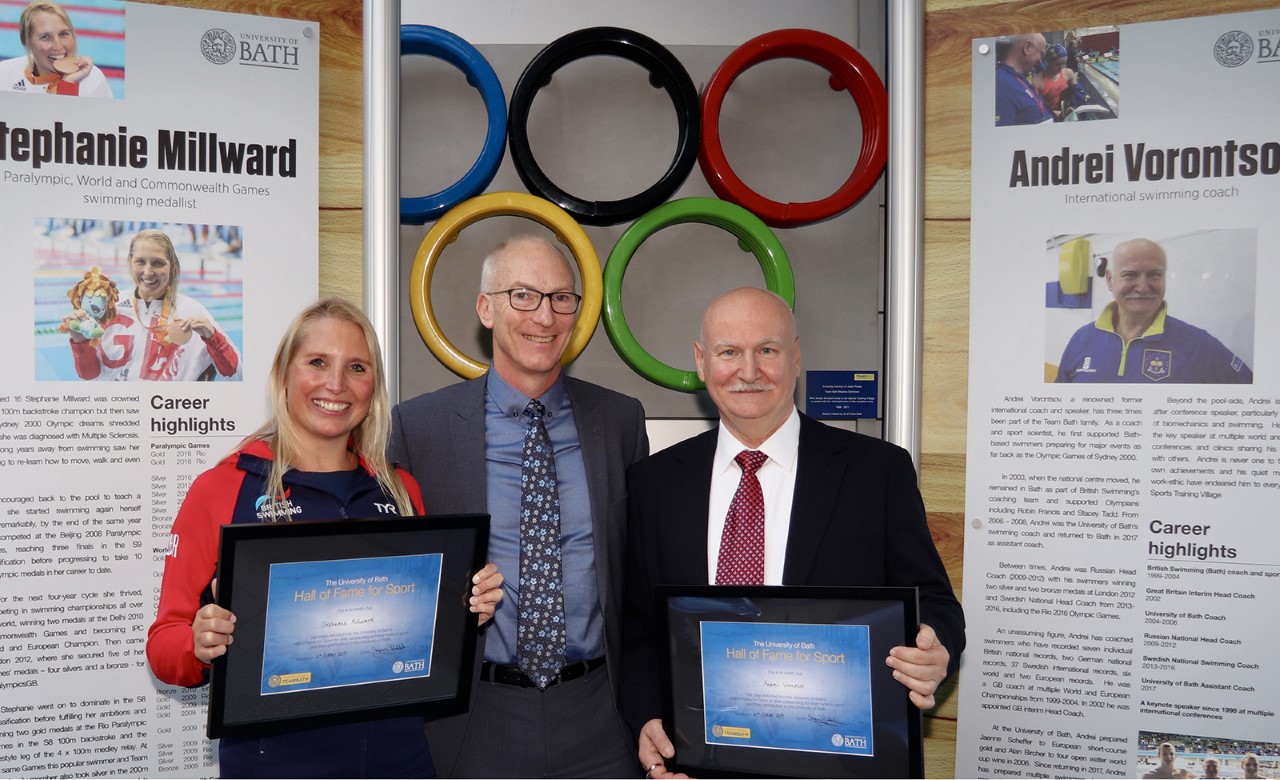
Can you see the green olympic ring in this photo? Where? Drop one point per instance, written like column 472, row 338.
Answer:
column 753, row 236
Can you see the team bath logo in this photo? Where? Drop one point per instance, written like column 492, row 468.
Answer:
column 218, row 46
column 1233, row 49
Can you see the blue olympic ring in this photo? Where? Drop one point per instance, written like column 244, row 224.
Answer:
column 444, row 45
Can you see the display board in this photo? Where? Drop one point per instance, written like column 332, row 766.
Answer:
column 1120, row 551
column 214, row 143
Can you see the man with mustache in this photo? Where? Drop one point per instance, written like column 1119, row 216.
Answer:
column 838, row 508
column 1136, row 341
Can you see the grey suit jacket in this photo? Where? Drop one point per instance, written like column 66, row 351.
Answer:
column 439, row 438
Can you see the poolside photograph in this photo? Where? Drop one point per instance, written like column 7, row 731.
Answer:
column 1058, row 76
column 1163, row 754
column 125, row 301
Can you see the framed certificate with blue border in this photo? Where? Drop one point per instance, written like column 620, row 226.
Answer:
column 345, row 620
column 788, row 681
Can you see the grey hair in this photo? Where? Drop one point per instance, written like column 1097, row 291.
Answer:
column 489, row 269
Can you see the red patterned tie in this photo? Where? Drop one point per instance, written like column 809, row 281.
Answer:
column 742, row 543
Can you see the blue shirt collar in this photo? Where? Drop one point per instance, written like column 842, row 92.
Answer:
column 1013, row 70
column 512, row 402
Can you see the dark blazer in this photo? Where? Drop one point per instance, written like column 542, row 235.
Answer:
column 857, row 518
column 439, row 438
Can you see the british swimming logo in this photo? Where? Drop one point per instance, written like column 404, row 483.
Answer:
column 271, row 510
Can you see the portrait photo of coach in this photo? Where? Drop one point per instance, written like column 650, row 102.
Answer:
column 50, row 57
column 1120, row 326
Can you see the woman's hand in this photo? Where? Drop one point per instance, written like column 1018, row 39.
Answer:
column 198, row 325
column 211, row 632
column 83, row 67
column 77, row 316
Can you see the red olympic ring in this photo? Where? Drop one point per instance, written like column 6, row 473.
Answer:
column 848, row 69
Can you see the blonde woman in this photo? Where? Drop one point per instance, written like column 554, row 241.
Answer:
column 321, row 455
column 52, row 65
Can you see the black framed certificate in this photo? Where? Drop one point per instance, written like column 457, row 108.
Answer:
column 788, row 681
column 345, row 620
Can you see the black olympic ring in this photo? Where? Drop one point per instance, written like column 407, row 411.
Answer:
column 664, row 71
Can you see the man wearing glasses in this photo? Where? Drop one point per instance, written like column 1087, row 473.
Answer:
column 1017, row 102
column 543, row 703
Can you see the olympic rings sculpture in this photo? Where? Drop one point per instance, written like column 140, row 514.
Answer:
column 664, row 71
column 493, row 204
column 434, row 42
column 753, row 236
column 850, row 70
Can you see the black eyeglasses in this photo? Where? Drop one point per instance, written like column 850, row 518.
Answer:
column 524, row 299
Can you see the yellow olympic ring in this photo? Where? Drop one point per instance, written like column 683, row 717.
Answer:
column 495, row 204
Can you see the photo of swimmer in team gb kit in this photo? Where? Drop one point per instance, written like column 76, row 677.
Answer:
column 161, row 304
column 52, row 62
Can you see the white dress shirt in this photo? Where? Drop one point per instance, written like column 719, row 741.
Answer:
column 778, row 483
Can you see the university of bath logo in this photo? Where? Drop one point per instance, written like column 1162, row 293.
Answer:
column 218, row 46
column 1233, row 49
column 263, row 51
column 407, row 667
column 846, row 740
